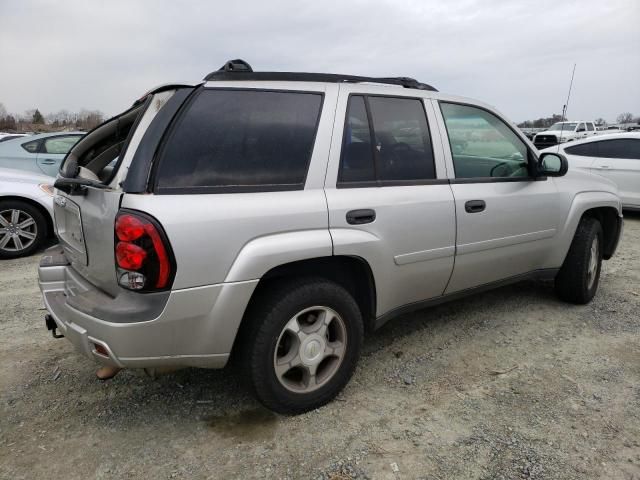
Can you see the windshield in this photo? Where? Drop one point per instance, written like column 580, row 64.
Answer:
column 563, row 126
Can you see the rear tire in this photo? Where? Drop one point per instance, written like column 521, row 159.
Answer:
column 23, row 228
column 577, row 281
column 301, row 344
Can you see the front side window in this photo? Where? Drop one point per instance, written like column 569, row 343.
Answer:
column 581, row 128
column 400, row 150
column 482, row 145
column 241, row 140
column 60, row 145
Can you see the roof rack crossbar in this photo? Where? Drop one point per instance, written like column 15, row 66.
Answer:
column 241, row 70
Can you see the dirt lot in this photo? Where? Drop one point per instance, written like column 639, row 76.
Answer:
column 508, row 384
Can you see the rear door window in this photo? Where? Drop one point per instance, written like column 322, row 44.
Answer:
column 584, row 150
column 590, row 127
column 357, row 145
column 31, row 147
column 386, row 141
column 241, row 140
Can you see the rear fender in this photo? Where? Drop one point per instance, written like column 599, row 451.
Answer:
column 262, row 254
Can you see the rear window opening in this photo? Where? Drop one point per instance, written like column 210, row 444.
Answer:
column 97, row 156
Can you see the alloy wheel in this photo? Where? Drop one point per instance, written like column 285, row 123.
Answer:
column 18, row 230
column 594, row 256
column 310, row 349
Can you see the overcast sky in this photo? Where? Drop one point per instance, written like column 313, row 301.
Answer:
column 516, row 55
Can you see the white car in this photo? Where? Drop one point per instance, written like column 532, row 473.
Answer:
column 26, row 212
column 562, row 132
column 615, row 156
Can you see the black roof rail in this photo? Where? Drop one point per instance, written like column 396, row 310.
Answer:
column 241, row 70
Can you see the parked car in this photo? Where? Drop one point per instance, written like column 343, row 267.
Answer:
column 561, row 132
column 26, row 212
column 277, row 217
column 10, row 136
column 615, row 156
column 41, row 153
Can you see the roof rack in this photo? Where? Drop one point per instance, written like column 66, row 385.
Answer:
column 241, row 70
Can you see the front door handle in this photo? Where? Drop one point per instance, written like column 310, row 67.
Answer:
column 359, row 217
column 475, row 206
column 48, row 161
column 603, row 167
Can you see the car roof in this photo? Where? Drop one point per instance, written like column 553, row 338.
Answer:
column 595, row 138
column 38, row 136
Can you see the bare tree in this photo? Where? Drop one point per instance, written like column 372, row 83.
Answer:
column 601, row 122
column 3, row 110
column 625, row 118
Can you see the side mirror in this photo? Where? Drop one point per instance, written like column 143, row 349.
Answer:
column 552, row 164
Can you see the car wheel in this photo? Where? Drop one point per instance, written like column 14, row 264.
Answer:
column 23, row 228
column 577, row 281
column 302, row 344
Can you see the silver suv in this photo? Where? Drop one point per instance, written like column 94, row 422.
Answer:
column 275, row 218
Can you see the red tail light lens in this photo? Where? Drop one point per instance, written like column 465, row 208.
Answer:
column 143, row 254
column 129, row 228
column 130, row 256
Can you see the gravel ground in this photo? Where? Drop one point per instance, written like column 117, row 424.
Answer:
column 507, row 384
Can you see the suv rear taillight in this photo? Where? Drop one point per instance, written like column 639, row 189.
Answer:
column 143, row 254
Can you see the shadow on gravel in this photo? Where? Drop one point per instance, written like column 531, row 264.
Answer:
column 218, row 399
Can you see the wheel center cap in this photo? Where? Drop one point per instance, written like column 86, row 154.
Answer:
column 312, row 349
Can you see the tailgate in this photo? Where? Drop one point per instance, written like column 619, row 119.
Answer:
column 88, row 192
column 85, row 229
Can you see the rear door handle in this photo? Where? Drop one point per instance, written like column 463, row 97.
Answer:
column 359, row 217
column 48, row 161
column 603, row 167
column 475, row 206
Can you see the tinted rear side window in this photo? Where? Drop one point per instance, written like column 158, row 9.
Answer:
column 402, row 139
column 400, row 152
column 584, row 150
column 241, row 140
column 357, row 153
column 621, row 148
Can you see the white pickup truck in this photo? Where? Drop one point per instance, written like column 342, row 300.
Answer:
column 561, row 132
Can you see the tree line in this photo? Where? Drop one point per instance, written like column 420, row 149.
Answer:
column 626, row 117
column 34, row 121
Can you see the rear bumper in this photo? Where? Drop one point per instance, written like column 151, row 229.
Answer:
column 196, row 327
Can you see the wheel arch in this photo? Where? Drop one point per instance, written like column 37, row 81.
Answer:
column 611, row 224
column 351, row 272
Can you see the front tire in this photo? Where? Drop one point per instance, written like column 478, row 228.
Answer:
column 301, row 344
column 23, row 228
column 577, row 281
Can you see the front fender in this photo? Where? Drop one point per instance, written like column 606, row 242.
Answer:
column 581, row 203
